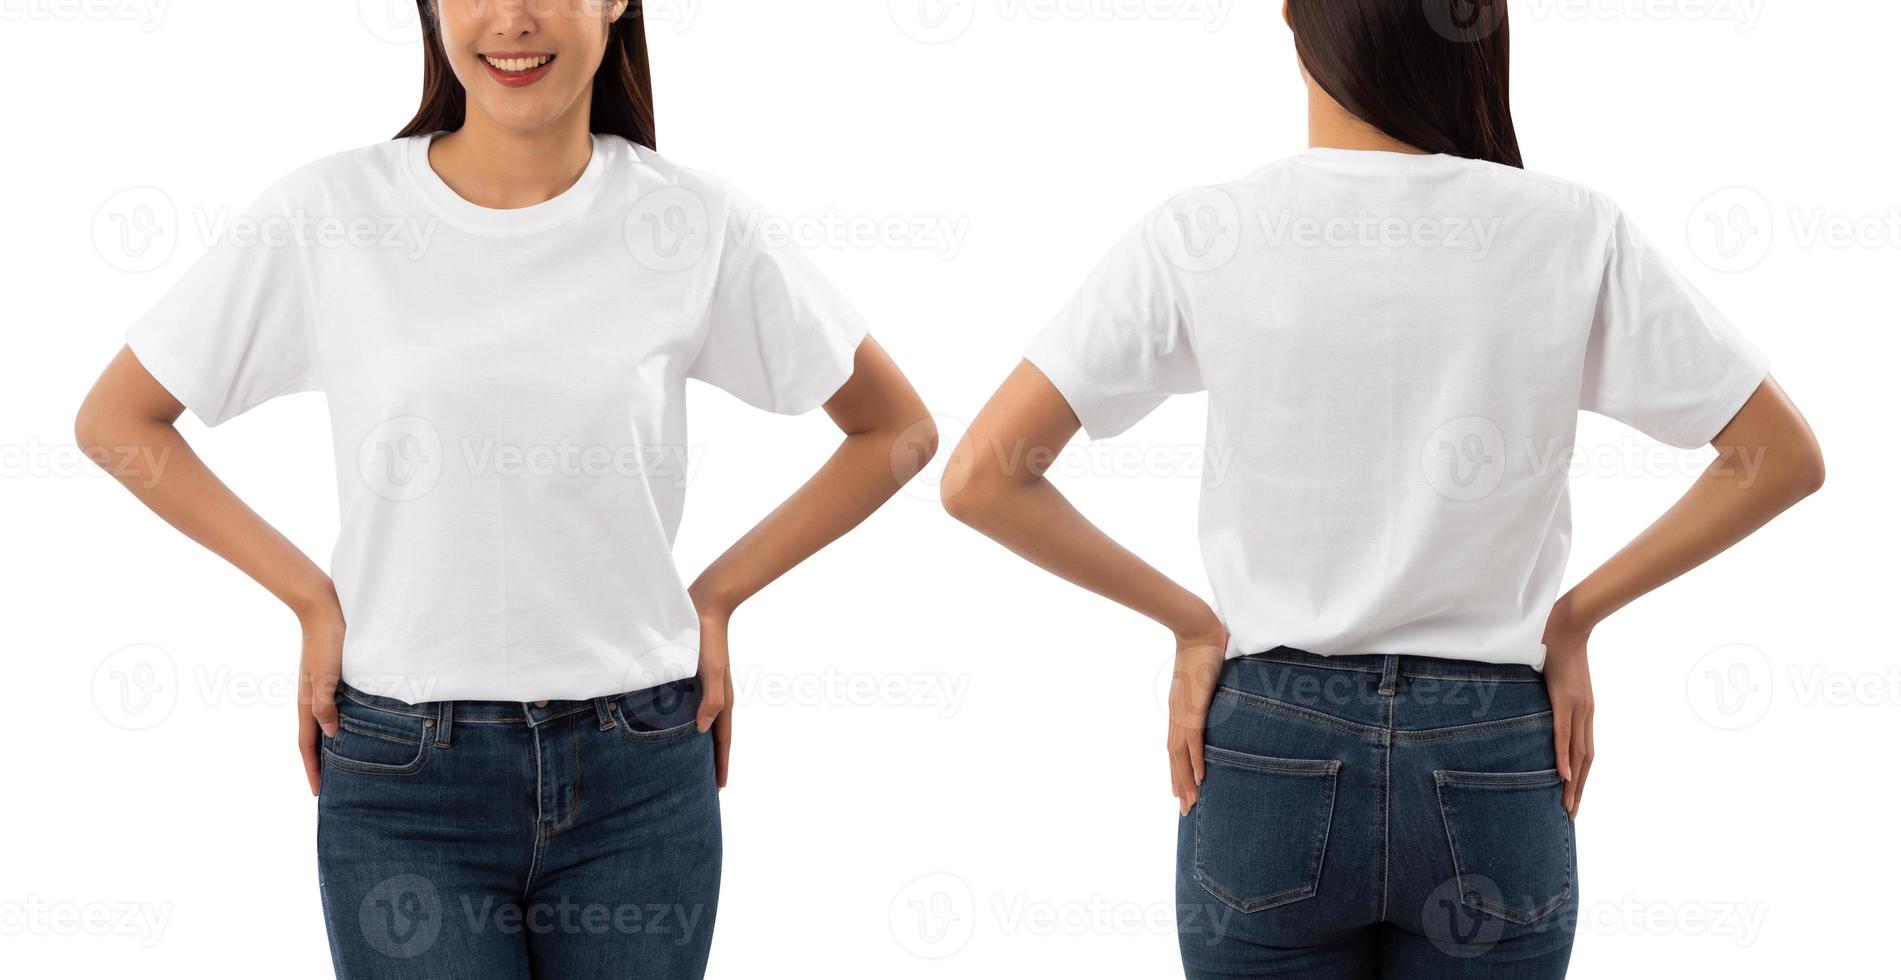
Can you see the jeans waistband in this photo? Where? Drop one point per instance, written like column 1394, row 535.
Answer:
column 664, row 699
column 1389, row 665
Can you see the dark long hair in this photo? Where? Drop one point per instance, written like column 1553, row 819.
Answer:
column 1434, row 74
column 623, row 87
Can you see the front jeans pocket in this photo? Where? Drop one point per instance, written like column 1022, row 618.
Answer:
column 378, row 744
column 1261, row 827
column 659, row 714
column 1510, row 841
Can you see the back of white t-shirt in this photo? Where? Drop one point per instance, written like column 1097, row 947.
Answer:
column 1395, row 349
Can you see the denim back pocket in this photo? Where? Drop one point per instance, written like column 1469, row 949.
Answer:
column 1510, row 840
column 1261, row 827
column 378, row 742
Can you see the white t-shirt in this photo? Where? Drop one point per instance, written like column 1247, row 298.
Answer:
column 1395, row 349
column 507, row 392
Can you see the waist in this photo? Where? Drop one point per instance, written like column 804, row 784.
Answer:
column 1402, row 666
column 675, row 701
column 1382, row 696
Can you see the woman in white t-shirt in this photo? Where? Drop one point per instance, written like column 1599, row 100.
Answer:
column 518, row 738
column 1379, row 741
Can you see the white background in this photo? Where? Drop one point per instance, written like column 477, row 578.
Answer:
column 949, row 763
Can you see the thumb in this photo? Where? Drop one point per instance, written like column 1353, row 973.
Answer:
column 712, row 697
column 323, row 707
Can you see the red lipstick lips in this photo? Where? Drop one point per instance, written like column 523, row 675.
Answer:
column 517, row 77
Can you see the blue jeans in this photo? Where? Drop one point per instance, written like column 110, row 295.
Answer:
column 493, row 840
column 1377, row 816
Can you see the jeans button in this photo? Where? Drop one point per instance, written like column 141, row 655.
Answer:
column 541, row 704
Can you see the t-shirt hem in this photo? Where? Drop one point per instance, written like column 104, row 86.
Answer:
column 1069, row 381
column 1535, row 658
column 581, row 687
column 820, row 390
column 1729, row 400
column 174, row 377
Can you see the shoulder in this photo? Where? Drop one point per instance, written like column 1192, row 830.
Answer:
column 1548, row 191
column 362, row 168
column 645, row 171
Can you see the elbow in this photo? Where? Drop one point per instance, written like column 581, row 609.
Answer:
column 972, row 494
column 1811, row 472
column 1796, row 472
column 913, row 449
column 89, row 432
column 1805, row 471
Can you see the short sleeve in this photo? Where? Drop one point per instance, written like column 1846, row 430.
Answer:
column 235, row 331
column 1661, row 358
column 778, row 335
column 1123, row 345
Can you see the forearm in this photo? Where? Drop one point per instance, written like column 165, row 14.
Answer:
column 1767, row 462
column 1715, row 514
column 1035, row 520
column 995, row 483
column 852, row 484
column 154, row 462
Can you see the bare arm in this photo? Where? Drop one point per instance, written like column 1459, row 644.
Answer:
column 1767, row 460
column 889, row 436
column 995, row 483
column 126, row 426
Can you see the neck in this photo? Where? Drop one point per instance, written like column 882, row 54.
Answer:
column 1329, row 125
column 493, row 166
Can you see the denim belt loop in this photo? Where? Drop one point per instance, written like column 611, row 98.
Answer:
column 604, row 711
column 445, row 720
column 1389, row 675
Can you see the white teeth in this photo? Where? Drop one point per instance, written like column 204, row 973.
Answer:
column 519, row 64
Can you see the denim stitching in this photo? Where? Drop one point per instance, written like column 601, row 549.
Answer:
column 1330, row 771
column 663, row 735
column 1298, row 663
column 1244, row 760
column 414, row 712
column 1308, row 714
column 1440, row 782
column 1501, row 678
column 534, row 861
column 1386, row 806
column 377, row 768
column 1477, row 728
column 374, row 706
column 1541, row 777
column 1475, row 677
column 574, row 783
column 366, row 728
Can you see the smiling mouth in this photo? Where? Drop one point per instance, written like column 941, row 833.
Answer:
column 518, row 65
column 517, row 70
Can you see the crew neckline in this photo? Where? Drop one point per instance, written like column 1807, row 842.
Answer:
column 1380, row 161
column 504, row 221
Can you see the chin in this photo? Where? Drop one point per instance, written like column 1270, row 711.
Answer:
column 523, row 116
